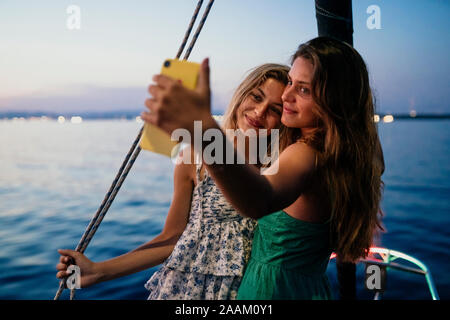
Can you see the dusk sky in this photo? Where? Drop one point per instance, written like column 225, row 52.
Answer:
column 108, row 63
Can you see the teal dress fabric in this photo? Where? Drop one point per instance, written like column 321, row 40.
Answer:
column 288, row 261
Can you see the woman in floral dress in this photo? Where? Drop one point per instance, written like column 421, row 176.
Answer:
column 205, row 244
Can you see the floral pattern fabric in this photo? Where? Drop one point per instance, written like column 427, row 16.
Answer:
column 208, row 260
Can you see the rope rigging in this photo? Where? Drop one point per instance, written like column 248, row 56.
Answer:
column 132, row 153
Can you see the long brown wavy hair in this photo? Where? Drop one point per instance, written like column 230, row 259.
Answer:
column 349, row 153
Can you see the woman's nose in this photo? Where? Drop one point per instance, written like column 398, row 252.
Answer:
column 287, row 94
column 261, row 109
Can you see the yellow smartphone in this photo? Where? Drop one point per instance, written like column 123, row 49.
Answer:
column 153, row 138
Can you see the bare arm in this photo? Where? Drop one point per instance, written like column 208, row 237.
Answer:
column 255, row 195
column 159, row 249
column 147, row 255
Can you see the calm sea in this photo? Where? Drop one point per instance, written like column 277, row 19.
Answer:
column 54, row 176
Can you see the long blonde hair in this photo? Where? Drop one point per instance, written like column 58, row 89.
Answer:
column 255, row 78
column 347, row 144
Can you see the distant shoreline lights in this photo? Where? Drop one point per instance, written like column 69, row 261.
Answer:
column 20, row 117
column 386, row 118
column 76, row 119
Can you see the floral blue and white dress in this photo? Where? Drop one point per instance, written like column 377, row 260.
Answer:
column 208, row 260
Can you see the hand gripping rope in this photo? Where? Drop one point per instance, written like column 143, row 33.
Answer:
column 132, row 154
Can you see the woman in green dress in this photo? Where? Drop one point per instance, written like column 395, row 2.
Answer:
column 322, row 194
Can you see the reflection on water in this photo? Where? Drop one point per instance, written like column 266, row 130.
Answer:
column 53, row 177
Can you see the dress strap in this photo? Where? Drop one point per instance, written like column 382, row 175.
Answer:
column 198, row 167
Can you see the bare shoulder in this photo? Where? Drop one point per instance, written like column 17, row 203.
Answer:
column 300, row 146
column 185, row 166
column 299, row 154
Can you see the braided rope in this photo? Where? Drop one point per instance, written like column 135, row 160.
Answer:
column 199, row 28
column 188, row 31
column 129, row 159
column 87, row 236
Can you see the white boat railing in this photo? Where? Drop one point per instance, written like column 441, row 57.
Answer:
column 387, row 258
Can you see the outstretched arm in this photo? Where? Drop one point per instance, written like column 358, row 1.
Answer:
column 255, row 195
column 147, row 255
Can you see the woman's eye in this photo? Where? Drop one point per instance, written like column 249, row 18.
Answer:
column 304, row 90
column 256, row 97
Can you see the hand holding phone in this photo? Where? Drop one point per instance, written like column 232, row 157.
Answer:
column 153, row 138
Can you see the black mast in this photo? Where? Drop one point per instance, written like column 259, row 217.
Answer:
column 334, row 19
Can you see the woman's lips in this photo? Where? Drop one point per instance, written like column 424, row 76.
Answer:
column 253, row 122
column 288, row 111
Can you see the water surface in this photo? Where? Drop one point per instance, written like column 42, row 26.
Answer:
column 54, row 176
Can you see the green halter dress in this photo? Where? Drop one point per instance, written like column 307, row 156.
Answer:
column 288, row 261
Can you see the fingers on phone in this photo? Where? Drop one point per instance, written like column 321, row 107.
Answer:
column 149, row 117
column 150, row 104
column 155, row 91
column 163, row 81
